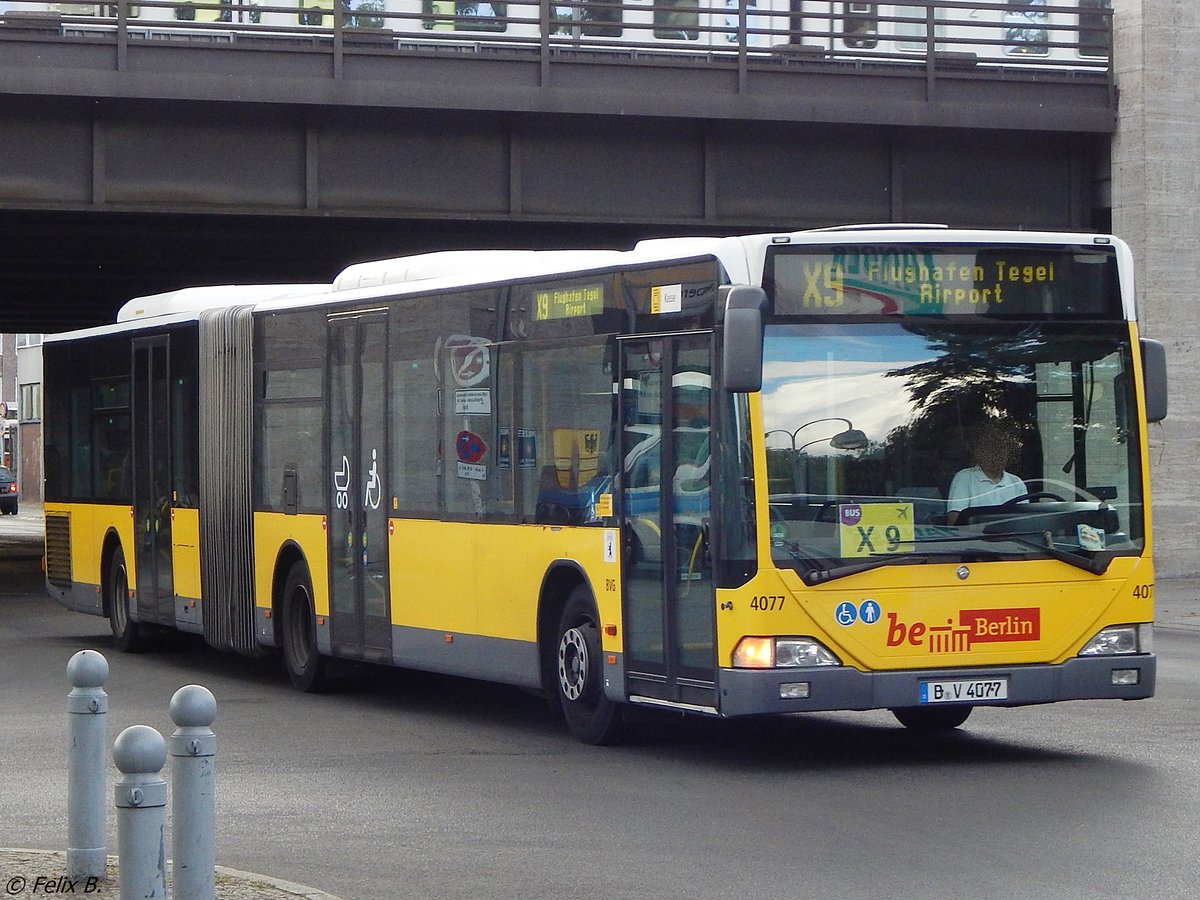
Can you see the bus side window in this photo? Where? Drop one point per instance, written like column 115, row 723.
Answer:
column 567, row 409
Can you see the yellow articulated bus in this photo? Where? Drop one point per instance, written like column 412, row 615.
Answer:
column 873, row 467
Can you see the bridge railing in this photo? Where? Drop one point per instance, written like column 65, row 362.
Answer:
column 1070, row 36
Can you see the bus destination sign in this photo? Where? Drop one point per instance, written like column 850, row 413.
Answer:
column 954, row 281
column 569, row 303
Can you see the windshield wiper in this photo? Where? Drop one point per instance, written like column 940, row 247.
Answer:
column 820, row 576
column 798, row 552
column 1097, row 563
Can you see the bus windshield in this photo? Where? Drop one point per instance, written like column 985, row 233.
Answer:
column 951, row 440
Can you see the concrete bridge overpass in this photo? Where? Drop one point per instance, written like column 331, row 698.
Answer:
column 142, row 150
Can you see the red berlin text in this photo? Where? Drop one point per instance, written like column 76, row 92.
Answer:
column 975, row 626
column 988, row 625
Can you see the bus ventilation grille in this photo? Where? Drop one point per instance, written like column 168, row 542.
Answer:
column 58, row 550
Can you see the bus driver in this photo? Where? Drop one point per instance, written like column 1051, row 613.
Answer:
column 987, row 483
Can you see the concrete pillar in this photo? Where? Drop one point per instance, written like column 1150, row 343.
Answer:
column 1156, row 208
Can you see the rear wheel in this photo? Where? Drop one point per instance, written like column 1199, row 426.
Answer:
column 932, row 718
column 304, row 664
column 128, row 636
column 591, row 716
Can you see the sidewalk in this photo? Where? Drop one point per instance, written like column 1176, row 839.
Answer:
column 44, row 872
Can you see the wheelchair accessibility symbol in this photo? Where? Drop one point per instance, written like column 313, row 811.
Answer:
column 847, row 613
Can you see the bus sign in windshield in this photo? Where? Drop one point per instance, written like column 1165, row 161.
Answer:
column 1009, row 282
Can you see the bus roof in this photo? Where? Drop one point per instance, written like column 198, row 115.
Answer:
column 462, row 268
column 741, row 256
column 197, row 299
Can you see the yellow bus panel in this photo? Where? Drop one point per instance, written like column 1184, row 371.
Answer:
column 89, row 524
column 505, row 565
column 274, row 531
column 185, row 552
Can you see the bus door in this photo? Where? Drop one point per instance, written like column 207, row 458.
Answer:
column 358, row 515
column 155, row 594
column 668, row 588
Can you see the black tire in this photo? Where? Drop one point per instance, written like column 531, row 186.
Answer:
column 303, row 663
column 591, row 716
column 932, row 718
column 128, row 636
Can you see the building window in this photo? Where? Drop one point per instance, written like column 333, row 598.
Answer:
column 1094, row 28
column 31, row 403
column 29, row 340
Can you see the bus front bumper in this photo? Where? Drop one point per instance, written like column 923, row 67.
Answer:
column 762, row 691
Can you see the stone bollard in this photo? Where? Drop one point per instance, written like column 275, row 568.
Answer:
column 87, row 765
column 193, row 783
column 141, row 800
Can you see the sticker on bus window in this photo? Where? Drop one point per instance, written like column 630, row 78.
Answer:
column 868, row 529
column 667, row 298
column 526, row 448
column 470, row 447
column 473, row 402
column 468, row 358
column 504, row 449
column 472, row 472
column 1090, row 538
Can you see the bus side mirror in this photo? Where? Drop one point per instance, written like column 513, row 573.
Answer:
column 742, row 358
column 1154, row 377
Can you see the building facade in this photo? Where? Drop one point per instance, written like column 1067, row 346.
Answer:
column 8, row 400
column 29, row 417
column 21, row 411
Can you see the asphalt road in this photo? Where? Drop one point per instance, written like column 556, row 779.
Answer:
column 403, row 785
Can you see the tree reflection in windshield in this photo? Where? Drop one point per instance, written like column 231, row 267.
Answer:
column 866, row 425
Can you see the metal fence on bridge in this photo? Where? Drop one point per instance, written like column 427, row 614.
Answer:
column 1071, row 38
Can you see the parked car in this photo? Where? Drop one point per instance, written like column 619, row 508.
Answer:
column 8, row 491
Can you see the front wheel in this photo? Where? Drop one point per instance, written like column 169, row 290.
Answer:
column 932, row 718
column 128, row 636
column 591, row 716
column 304, row 664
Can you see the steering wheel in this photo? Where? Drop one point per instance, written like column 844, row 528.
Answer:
column 1080, row 492
column 1034, row 495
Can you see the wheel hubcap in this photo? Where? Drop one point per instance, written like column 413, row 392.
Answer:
column 120, row 600
column 299, row 630
column 572, row 664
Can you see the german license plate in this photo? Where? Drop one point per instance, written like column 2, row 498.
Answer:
column 973, row 690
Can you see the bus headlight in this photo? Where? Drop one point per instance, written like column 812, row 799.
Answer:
column 1119, row 640
column 782, row 653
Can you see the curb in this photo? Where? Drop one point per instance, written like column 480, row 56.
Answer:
column 290, row 887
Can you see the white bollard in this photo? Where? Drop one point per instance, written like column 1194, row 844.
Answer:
column 87, row 765
column 193, row 785
column 141, row 800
